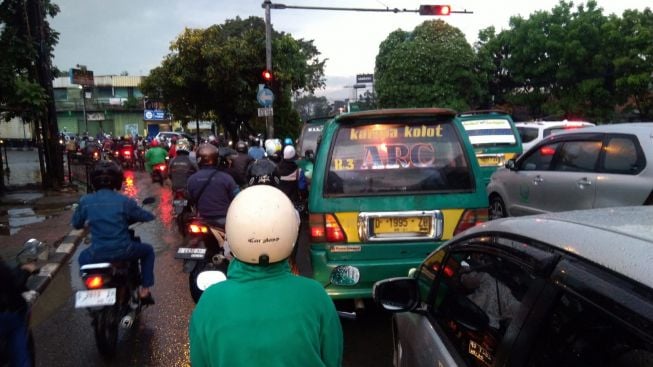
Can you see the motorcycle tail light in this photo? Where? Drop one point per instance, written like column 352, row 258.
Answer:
column 179, row 194
column 162, row 167
column 127, row 153
column 470, row 218
column 196, row 228
column 94, row 281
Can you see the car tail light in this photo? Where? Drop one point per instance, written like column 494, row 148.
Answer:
column 547, row 150
column 325, row 227
column 94, row 281
column 197, row 228
column 448, row 271
column 470, row 218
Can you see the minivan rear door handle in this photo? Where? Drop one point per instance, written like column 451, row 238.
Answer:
column 583, row 182
column 537, row 180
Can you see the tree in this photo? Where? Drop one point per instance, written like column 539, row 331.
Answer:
column 432, row 66
column 214, row 73
column 310, row 106
column 27, row 43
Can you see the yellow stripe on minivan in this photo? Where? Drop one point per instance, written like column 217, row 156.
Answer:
column 349, row 223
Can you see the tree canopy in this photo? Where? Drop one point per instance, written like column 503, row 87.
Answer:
column 432, row 66
column 572, row 62
column 214, row 74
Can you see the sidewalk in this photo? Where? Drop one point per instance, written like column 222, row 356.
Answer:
column 55, row 230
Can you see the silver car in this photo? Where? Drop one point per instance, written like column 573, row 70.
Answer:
column 559, row 289
column 594, row 167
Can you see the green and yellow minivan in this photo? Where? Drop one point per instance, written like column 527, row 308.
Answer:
column 389, row 187
column 494, row 137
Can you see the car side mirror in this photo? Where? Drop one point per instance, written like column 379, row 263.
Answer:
column 396, row 294
column 510, row 164
column 310, row 155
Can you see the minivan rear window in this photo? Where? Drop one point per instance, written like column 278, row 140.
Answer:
column 490, row 132
column 402, row 156
column 309, row 136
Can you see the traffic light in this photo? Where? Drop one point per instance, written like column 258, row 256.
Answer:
column 267, row 77
column 434, row 10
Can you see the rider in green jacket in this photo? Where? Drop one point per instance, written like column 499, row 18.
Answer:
column 263, row 315
column 154, row 155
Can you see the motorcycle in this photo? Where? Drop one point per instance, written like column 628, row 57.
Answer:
column 207, row 251
column 111, row 297
column 32, row 249
column 182, row 211
column 159, row 173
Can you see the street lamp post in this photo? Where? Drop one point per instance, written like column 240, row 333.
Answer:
column 81, row 87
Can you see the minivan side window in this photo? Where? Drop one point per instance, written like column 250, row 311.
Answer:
column 540, row 159
column 621, row 156
column 578, row 156
column 527, row 134
column 580, row 334
column 478, row 296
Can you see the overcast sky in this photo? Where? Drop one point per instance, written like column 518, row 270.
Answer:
column 134, row 35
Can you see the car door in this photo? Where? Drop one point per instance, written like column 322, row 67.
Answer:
column 571, row 182
column 522, row 187
column 622, row 180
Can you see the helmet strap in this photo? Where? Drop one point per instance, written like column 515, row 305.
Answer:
column 264, row 260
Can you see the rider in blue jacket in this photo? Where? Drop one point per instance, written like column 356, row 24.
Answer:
column 109, row 213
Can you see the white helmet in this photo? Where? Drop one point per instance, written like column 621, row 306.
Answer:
column 262, row 225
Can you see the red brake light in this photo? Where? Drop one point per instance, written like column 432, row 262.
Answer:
column 162, row 167
column 316, row 225
column 127, row 152
column 470, row 218
column 547, row 150
column 196, row 228
column 448, row 270
column 179, row 194
column 94, row 282
column 334, row 232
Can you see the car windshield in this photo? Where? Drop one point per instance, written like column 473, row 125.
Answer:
column 490, row 132
column 527, row 134
column 398, row 156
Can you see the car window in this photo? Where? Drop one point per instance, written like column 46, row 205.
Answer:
column 424, row 155
column 490, row 132
column 621, row 156
column 578, row 156
column 477, row 298
column 579, row 334
column 527, row 134
column 540, row 159
column 308, row 139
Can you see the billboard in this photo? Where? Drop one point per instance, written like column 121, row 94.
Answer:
column 155, row 115
column 81, row 76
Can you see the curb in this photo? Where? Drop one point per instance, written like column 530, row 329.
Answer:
column 39, row 282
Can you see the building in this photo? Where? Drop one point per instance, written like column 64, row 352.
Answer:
column 113, row 105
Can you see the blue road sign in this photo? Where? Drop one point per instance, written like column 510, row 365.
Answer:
column 265, row 97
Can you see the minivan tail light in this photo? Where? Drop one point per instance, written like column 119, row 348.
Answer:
column 334, row 232
column 325, row 227
column 470, row 218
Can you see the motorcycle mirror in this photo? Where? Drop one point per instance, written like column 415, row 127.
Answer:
column 207, row 278
column 346, row 275
column 149, row 200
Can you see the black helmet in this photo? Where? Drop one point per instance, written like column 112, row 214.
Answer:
column 241, row 146
column 106, row 175
column 263, row 172
column 207, row 155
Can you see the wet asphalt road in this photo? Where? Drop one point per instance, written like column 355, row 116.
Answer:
column 64, row 336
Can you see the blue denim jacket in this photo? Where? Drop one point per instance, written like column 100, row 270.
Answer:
column 109, row 214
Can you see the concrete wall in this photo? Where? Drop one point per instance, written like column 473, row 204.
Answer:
column 15, row 129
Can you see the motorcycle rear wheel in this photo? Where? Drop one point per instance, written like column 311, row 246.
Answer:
column 105, row 327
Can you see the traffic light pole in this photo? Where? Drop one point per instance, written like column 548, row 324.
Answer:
column 269, row 125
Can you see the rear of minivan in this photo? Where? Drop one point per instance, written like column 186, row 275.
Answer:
column 389, row 187
column 494, row 137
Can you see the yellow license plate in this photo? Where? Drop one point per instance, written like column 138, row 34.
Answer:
column 420, row 225
column 489, row 161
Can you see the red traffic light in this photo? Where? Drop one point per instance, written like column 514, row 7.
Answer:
column 434, row 10
column 267, row 75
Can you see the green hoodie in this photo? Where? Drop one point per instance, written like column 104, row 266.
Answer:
column 154, row 156
column 265, row 316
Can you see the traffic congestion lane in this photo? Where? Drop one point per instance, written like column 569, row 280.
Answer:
column 64, row 335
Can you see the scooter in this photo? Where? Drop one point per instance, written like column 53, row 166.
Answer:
column 32, row 248
column 159, row 173
column 207, row 251
column 111, row 297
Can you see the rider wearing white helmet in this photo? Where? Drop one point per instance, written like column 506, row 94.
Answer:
column 262, row 315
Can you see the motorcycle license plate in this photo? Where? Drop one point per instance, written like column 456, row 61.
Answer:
column 179, row 202
column 187, row 253
column 95, row 298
